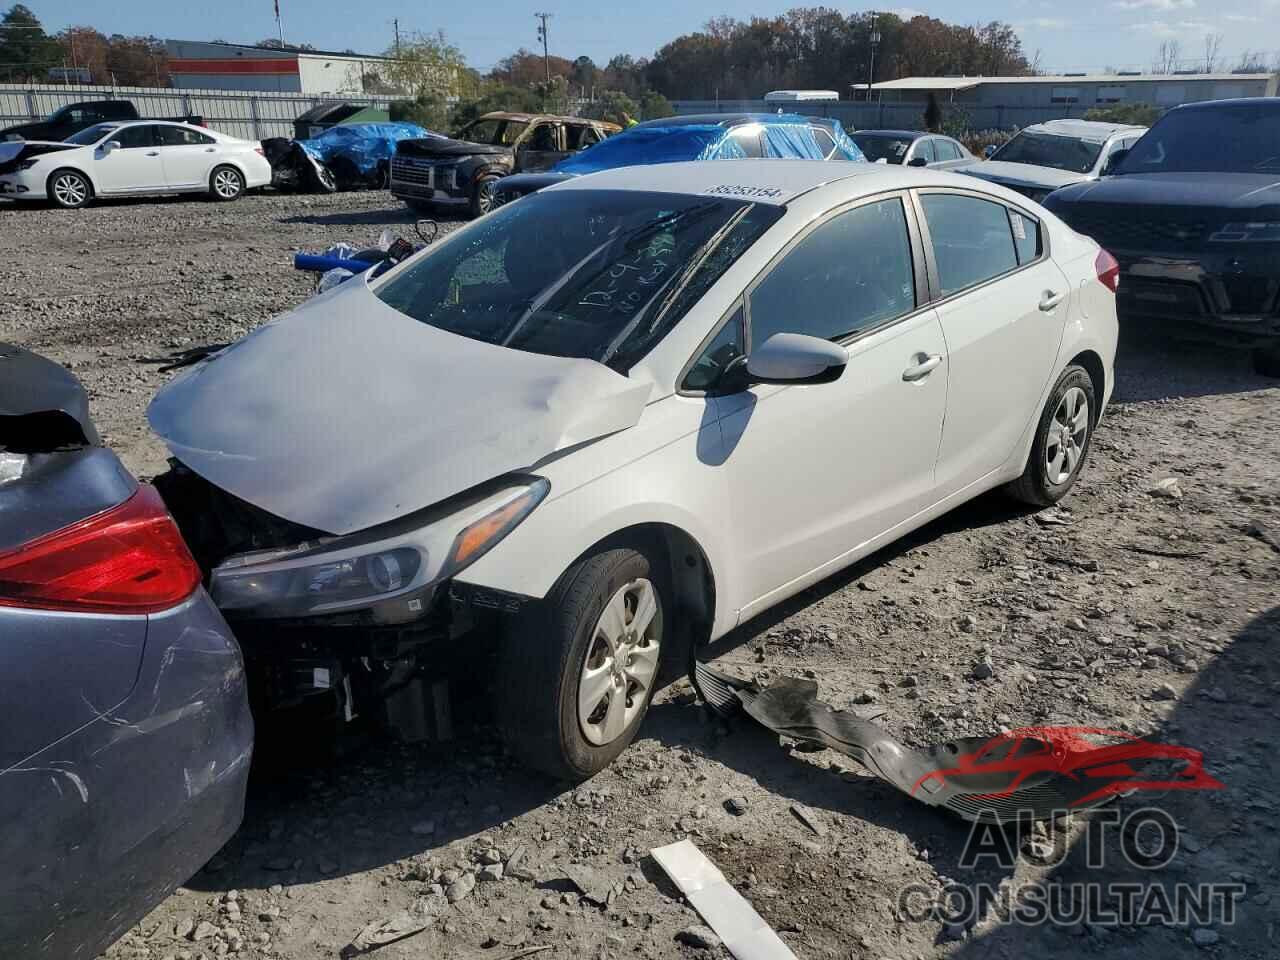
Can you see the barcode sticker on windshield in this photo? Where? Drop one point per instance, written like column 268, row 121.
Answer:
column 776, row 194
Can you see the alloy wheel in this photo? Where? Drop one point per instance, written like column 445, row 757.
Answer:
column 1067, row 433
column 621, row 663
column 226, row 184
column 70, row 190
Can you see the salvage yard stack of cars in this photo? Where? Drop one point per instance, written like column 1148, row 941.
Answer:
column 662, row 344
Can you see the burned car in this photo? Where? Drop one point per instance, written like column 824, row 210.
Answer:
column 461, row 172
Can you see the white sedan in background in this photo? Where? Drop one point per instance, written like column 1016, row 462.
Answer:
column 626, row 414
column 130, row 159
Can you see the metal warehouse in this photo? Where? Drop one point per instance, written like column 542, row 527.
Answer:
column 1080, row 90
column 195, row 64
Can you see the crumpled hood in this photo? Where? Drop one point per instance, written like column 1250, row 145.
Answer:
column 345, row 413
column 12, row 152
column 1023, row 175
column 32, row 384
column 1240, row 191
column 446, row 147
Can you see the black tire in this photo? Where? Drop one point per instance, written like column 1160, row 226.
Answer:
column 481, row 202
column 543, row 654
column 1266, row 361
column 61, row 189
column 226, row 183
column 1036, row 487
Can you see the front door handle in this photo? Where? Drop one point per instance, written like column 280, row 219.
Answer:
column 153, row 153
column 1050, row 300
column 924, row 365
column 210, row 149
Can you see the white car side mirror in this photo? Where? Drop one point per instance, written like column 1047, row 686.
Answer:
column 110, row 146
column 794, row 358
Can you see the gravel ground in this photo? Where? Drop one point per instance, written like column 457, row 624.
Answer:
column 1134, row 607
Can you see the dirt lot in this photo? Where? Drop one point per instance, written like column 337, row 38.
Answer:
column 1129, row 609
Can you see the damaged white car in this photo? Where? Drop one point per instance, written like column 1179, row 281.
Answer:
column 611, row 421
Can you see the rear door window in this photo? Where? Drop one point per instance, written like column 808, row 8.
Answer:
column 826, row 142
column 182, row 137
column 1026, row 237
column 849, row 274
column 136, row 137
column 749, row 141
column 972, row 239
column 946, row 149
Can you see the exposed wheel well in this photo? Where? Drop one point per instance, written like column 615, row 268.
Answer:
column 230, row 165
column 1092, row 364
column 48, row 183
column 685, row 562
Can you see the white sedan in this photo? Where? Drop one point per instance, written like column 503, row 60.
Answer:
column 131, row 159
column 624, row 415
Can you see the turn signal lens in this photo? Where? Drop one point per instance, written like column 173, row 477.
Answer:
column 1108, row 269
column 475, row 540
column 130, row 559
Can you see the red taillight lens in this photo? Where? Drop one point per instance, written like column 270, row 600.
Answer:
column 129, row 559
column 1108, row 270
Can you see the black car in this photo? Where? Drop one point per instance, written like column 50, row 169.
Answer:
column 1192, row 212
column 461, row 172
column 75, row 117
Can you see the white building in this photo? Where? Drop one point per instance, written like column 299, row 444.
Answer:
column 198, row 65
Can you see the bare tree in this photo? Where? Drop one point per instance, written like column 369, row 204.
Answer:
column 1212, row 49
column 1252, row 61
column 1167, row 57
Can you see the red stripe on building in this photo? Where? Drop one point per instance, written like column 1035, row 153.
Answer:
column 247, row 65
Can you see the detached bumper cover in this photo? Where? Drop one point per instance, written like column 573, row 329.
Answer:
column 105, row 823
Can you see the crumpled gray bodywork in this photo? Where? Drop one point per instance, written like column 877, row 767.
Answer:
column 346, row 413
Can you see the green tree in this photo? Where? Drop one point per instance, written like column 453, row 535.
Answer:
column 426, row 64
column 496, row 97
column 654, row 106
column 429, row 110
column 26, row 51
column 613, row 106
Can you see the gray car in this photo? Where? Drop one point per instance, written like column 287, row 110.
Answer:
column 1046, row 156
column 126, row 741
column 913, row 149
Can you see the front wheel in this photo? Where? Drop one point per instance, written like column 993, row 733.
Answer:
column 483, row 196
column 69, row 189
column 1062, row 440
column 576, row 675
column 226, row 183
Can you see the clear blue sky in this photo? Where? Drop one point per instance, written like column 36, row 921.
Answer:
column 1071, row 34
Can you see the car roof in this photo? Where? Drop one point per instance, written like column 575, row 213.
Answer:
column 527, row 117
column 1273, row 102
column 1082, row 129
column 905, row 134
column 766, row 180
column 724, row 119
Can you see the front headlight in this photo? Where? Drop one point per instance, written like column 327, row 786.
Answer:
column 1260, row 232
column 390, row 571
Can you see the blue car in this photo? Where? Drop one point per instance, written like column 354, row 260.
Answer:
column 126, row 740
column 717, row 136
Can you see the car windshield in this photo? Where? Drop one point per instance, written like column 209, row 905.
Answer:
column 599, row 274
column 1050, row 150
column 876, row 147
column 90, row 134
column 1235, row 138
column 495, row 132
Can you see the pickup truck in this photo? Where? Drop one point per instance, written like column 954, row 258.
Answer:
column 75, row 117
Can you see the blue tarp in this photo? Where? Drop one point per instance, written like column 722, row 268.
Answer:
column 850, row 149
column 364, row 144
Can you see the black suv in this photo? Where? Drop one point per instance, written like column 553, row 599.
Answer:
column 1192, row 212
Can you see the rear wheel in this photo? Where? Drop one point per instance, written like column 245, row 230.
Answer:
column 226, row 183
column 1266, row 361
column 576, row 675
column 1062, row 441
column 69, row 189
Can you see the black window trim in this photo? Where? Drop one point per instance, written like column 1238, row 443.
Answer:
column 936, row 296
column 915, row 240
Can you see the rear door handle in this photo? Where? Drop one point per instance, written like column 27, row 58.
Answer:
column 210, row 149
column 925, row 364
column 1050, row 300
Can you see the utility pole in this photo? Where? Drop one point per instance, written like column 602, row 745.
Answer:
column 542, row 35
column 279, row 25
column 396, row 24
column 875, row 42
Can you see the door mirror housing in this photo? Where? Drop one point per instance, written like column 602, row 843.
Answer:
column 917, row 162
column 794, row 358
column 110, row 146
column 989, row 151
column 1114, row 161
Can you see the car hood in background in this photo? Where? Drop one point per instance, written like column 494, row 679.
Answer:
column 523, row 183
column 1022, row 174
column 433, row 147
column 346, row 413
column 1241, row 191
column 13, row 152
column 32, row 384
